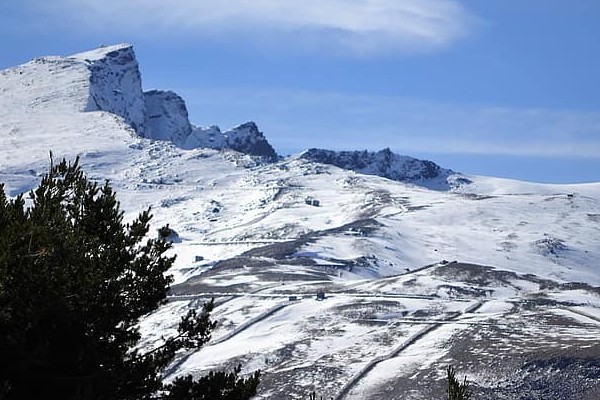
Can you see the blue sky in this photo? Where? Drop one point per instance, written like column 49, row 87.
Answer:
column 504, row 88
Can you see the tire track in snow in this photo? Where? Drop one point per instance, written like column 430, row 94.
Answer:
column 393, row 277
column 242, row 327
column 401, row 347
column 582, row 313
column 245, row 325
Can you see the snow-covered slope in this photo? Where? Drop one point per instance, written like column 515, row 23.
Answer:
column 264, row 238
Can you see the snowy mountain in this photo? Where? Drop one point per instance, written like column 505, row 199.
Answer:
column 498, row 277
column 108, row 80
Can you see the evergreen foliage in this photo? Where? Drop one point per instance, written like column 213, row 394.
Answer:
column 313, row 396
column 74, row 282
column 457, row 390
column 215, row 385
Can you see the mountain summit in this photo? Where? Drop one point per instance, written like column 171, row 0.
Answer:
column 115, row 84
column 108, row 80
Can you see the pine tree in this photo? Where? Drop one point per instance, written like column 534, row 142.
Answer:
column 74, row 282
column 457, row 390
column 313, row 396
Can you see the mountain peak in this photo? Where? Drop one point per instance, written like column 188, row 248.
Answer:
column 157, row 114
column 108, row 79
column 115, row 84
column 245, row 138
column 249, row 126
column 115, row 51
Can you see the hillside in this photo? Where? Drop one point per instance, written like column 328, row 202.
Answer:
column 420, row 266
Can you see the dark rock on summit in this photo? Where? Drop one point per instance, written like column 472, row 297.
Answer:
column 387, row 164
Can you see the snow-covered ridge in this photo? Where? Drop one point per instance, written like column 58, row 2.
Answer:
column 389, row 165
column 108, row 79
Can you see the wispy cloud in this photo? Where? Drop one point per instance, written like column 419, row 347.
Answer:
column 358, row 26
column 300, row 119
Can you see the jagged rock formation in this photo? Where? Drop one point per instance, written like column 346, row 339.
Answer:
column 248, row 139
column 245, row 138
column 108, row 79
column 115, row 84
column 386, row 164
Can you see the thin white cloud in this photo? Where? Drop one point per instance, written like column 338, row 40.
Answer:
column 359, row 26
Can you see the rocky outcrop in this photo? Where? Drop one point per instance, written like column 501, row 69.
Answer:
column 115, row 86
column 245, row 138
column 386, row 164
column 167, row 117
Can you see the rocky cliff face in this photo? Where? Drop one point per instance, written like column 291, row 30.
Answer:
column 387, row 164
column 115, row 84
column 111, row 82
column 167, row 117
